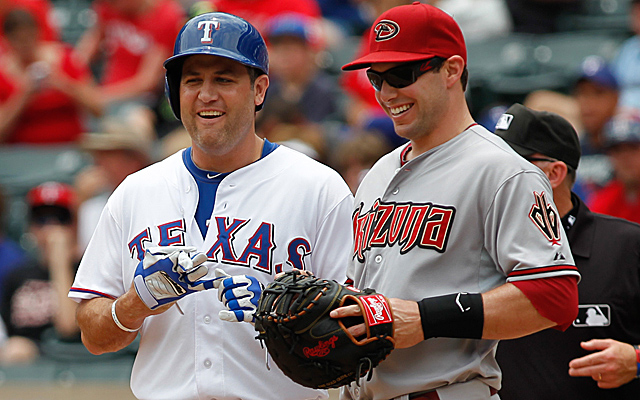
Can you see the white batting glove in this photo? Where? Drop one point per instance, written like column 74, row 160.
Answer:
column 240, row 294
column 168, row 273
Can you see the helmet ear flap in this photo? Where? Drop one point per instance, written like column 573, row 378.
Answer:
column 172, row 85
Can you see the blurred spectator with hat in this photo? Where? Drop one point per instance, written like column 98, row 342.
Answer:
column 297, row 83
column 621, row 196
column 116, row 152
column 596, row 352
column 596, row 92
column 35, row 294
column 301, row 94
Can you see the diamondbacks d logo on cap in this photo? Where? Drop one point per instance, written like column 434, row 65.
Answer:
column 504, row 122
column 207, row 27
column 385, row 30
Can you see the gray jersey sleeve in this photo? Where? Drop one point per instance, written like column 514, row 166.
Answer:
column 524, row 233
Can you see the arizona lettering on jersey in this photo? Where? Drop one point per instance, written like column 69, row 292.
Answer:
column 425, row 225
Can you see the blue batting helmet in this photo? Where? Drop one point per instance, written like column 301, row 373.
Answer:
column 217, row 34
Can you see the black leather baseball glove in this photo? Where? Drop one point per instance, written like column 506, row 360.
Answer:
column 312, row 348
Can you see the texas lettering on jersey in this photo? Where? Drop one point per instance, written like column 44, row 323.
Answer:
column 407, row 225
column 257, row 250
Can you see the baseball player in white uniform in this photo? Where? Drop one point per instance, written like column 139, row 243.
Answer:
column 455, row 228
column 230, row 202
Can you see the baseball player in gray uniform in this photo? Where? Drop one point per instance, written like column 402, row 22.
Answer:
column 454, row 227
column 231, row 202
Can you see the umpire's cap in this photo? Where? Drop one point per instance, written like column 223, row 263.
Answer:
column 217, row 34
column 528, row 131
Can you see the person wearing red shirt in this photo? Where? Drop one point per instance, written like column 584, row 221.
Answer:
column 43, row 89
column 134, row 37
column 259, row 12
column 621, row 197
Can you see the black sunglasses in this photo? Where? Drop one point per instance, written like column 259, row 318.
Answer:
column 402, row 75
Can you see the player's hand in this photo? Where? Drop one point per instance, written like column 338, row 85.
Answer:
column 240, row 294
column 407, row 328
column 613, row 364
column 169, row 273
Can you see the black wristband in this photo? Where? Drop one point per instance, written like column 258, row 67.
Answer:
column 458, row 315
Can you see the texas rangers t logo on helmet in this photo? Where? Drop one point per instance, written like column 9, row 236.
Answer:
column 385, row 30
column 206, row 26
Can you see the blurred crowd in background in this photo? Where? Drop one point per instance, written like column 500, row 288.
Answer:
column 82, row 106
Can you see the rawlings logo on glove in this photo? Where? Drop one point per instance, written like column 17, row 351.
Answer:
column 168, row 273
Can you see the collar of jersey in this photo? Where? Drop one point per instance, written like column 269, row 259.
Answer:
column 405, row 152
column 201, row 174
column 212, row 176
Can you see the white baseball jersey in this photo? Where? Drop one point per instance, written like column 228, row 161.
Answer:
column 466, row 216
column 284, row 211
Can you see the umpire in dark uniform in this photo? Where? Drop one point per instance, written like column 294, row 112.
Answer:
column 597, row 357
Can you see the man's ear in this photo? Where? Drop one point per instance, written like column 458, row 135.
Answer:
column 557, row 172
column 453, row 67
column 260, row 88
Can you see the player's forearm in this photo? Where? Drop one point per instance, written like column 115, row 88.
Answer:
column 100, row 334
column 509, row 314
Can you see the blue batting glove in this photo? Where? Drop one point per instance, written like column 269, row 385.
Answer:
column 240, row 294
column 166, row 274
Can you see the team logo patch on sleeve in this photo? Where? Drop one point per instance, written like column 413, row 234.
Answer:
column 545, row 217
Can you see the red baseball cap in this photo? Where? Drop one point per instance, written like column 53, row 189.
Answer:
column 411, row 33
column 51, row 194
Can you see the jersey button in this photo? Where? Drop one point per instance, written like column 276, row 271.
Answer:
column 207, row 363
column 207, row 319
column 378, row 259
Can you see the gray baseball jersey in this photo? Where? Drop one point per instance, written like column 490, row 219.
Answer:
column 466, row 216
column 281, row 212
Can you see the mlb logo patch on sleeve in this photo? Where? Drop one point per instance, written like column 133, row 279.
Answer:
column 593, row 315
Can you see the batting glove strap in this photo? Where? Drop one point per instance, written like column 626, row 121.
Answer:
column 458, row 315
column 167, row 274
